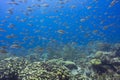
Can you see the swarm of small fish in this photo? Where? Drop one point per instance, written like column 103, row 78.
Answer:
column 22, row 26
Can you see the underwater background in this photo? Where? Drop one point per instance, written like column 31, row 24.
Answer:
column 85, row 32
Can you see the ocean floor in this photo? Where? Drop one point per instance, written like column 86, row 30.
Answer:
column 99, row 65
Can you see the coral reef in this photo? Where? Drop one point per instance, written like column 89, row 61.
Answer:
column 15, row 68
column 100, row 65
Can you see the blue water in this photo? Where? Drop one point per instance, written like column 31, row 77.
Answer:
column 102, row 23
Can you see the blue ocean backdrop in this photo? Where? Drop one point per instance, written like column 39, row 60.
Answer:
column 81, row 21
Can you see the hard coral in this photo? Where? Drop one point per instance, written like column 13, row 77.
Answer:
column 11, row 67
column 45, row 71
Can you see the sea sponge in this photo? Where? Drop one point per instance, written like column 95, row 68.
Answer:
column 95, row 62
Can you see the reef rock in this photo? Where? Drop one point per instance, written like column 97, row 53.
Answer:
column 105, row 62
